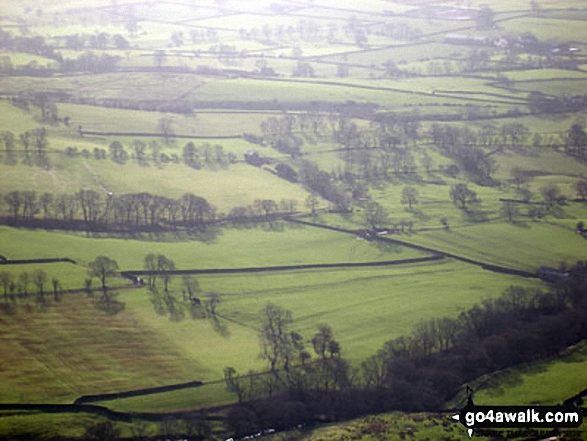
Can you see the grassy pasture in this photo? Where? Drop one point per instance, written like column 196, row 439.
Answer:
column 208, row 395
column 434, row 202
column 308, row 90
column 345, row 299
column 233, row 248
column 103, row 119
column 16, row 120
column 240, row 184
column 70, row 276
column 559, row 88
column 403, row 53
column 20, row 59
column 460, row 86
column 526, row 246
column 138, row 348
column 73, row 349
column 537, row 383
column 545, row 28
column 542, row 160
column 34, row 425
column 365, row 307
column 544, row 74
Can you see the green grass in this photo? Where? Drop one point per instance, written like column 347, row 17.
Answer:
column 548, row 382
column 543, row 74
column 71, row 349
column 103, row 119
column 546, row 28
column 20, row 59
column 238, row 185
column 525, row 246
column 70, row 276
column 394, row 426
column 16, row 120
column 559, row 88
column 208, row 395
column 365, row 307
column 539, row 161
column 35, row 425
column 233, row 248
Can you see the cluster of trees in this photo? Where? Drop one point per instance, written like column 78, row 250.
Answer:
column 419, row 372
column 87, row 62
column 292, row 371
column 34, row 143
column 98, row 40
column 207, row 155
column 21, row 288
column 92, row 207
column 31, row 45
column 167, row 300
column 90, row 62
column 321, row 183
column 311, row 31
column 261, row 209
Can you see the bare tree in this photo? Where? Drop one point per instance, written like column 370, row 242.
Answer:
column 510, row 211
column 409, row 196
column 103, row 267
column 275, row 337
column 165, row 126
column 6, row 279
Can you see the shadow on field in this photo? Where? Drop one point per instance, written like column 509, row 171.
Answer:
column 501, row 382
column 476, row 215
column 419, row 214
column 219, row 327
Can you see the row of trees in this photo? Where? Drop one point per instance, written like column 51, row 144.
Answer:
column 98, row 40
column 92, row 207
column 20, row 288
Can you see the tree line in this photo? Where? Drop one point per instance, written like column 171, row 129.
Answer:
column 93, row 207
column 419, row 372
column 27, row 285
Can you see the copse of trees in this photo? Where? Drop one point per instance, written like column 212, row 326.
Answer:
column 165, row 295
column 207, row 155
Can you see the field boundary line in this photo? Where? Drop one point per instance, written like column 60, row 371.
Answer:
column 285, row 267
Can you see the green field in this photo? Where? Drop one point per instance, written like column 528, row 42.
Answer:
column 345, row 299
column 232, row 248
column 238, row 185
column 377, row 78
column 193, row 349
column 517, row 246
column 537, row 383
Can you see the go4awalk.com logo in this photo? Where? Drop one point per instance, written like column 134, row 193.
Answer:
column 476, row 418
